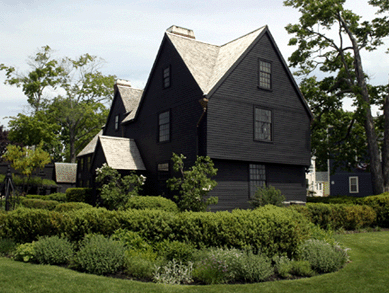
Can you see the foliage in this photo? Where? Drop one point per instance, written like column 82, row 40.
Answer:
column 174, row 273
column 338, row 56
column 99, row 255
column 151, row 202
column 4, row 141
column 25, row 252
column 337, row 216
column 323, row 257
column 33, row 203
column 53, row 250
column 26, row 160
column 7, row 245
column 141, row 264
column 71, row 206
column 132, row 240
column 267, row 195
column 67, row 101
column 380, row 204
column 115, row 190
column 287, row 268
column 194, row 184
column 179, row 251
column 79, row 194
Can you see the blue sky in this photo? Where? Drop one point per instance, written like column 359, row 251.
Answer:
column 127, row 34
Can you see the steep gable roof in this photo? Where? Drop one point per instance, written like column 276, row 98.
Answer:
column 209, row 63
column 91, row 146
column 121, row 153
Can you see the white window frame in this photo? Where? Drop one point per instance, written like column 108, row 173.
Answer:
column 351, row 184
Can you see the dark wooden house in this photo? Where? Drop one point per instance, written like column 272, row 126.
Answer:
column 237, row 103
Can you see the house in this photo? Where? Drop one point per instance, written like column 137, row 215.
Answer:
column 317, row 182
column 237, row 103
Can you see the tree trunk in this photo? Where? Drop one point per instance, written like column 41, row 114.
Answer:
column 385, row 147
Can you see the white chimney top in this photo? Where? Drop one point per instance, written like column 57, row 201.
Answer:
column 181, row 31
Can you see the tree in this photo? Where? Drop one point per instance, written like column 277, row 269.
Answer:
column 341, row 56
column 75, row 110
column 193, row 184
column 26, row 160
column 4, row 141
column 115, row 190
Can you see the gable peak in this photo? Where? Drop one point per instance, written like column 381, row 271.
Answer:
column 177, row 30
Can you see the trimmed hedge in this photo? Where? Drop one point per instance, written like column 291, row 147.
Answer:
column 269, row 229
column 33, row 203
column 380, row 204
column 61, row 197
column 79, row 195
column 336, row 216
column 71, row 206
column 152, row 202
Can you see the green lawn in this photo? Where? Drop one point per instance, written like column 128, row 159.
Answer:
column 367, row 272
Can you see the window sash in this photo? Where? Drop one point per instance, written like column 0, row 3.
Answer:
column 166, row 77
column 257, row 177
column 353, row 184
column 265, row 74
column 263, row 124
column 164, row 126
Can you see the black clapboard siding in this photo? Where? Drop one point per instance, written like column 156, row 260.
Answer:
column 117, row 107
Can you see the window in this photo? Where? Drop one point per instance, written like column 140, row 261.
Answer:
column 263, row 124
column 166, row 77
column 117, row 122
column 353, row 184
column 163, row 175
column 257, row 177
column 164, row 126
column 264, row 75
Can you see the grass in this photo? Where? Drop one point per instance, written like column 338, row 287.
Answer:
column 367, row 272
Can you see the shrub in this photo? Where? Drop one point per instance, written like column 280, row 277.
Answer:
column 175, row 250
column 267, row 195
column 358, row 216
column 99, row 255
column 174, row 273
column 60, row 197
column 151, row 202
column 132, row 240
column 79, row 195
column 26, row 225
column 323, row 257
column 53, row 250
column 141, row 264
column 33, row 203
column 71, row 206
column 193, row 184
column 6, row 246
column 301, row 268
column 25, row 252
column 380, row 204
column 254, row 267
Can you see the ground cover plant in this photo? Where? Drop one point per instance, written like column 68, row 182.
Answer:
column 367, row 271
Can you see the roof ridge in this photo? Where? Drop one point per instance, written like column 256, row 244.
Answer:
column 241, row 37
column 190, row 39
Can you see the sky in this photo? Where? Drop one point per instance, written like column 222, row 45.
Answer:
column 127, row 34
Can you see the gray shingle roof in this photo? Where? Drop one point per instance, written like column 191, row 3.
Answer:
column 91, row 146
column 209, row 63
column 121, row 153
column 65, row 172
column 322, row 176
column 131, row 98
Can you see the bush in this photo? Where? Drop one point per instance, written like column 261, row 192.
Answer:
column 339, row 216
column 25, row 252
column 380, row 204
column 132, row 240
column 53, row 250
column 80, row 195
column 6, row 246
column 71, row 206
column 99, row 255
column 254, row 267
column 141, row 264
column 267, row 195
column 151, row 202
column 323, row 257
column 60, row 197
column 26, row 225
column 179, row 251
column 33, row 203
column 174, row 273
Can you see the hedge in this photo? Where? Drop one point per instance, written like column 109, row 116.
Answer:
column 336, row 216
column 34, row 203
column 61, row 197
column 79, row 195
column 269, row 229
column 152, row 202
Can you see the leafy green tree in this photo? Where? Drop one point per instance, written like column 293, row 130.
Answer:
column 331, row 38
column 68, row 98
column 115, row 190
column 193, row 184
column 26, row 160
column 4, row 141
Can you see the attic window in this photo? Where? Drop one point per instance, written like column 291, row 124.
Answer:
column 264, row 75
column 166, row 77
column 117, row 122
